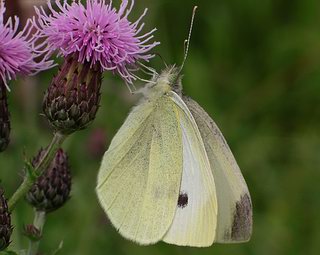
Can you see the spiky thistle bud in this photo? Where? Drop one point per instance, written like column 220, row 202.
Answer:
column 4, row 118
column 72, row 100
column 52, row 189
column 5, row 222
column 32, row 232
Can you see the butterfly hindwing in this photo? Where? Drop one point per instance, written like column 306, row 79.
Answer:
column 196, row 216
column 234, row 202
column 140, row 175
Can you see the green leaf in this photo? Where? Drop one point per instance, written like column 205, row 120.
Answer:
column 30, row 171
column 58, row 249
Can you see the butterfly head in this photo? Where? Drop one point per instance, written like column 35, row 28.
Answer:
column 172, row 77
column 168, row 76
column 169, row 79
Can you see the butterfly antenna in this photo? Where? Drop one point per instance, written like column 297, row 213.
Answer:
column 187, row 42
column 185, row 46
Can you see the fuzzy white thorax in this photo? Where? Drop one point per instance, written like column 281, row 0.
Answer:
column 161, row 84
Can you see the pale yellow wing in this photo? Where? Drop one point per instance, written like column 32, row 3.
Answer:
column 140, row 175
column 195, row 220
column 234, row 202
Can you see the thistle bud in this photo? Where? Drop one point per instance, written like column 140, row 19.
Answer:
column 32, row 232
column 72, row 100
column 4, row 118
column 5, row 222
column 52, row 189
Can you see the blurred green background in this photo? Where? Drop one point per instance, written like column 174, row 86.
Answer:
column 255, row 67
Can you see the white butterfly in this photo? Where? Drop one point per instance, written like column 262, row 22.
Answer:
column 169, row 174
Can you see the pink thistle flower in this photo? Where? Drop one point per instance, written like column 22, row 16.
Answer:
column 96, row 33
column 17, row 50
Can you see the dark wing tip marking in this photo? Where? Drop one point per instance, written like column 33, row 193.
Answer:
column 183, row 200
column 242, row 221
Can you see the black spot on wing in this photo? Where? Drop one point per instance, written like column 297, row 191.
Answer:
column 183, row 200
column 242, row 221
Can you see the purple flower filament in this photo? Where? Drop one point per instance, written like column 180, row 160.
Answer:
column 97, row 33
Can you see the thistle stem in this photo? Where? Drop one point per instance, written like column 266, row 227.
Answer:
column 43, row 164
column 38, row 222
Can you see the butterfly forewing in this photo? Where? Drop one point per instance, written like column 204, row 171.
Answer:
column 234, row 203
column 139, row 179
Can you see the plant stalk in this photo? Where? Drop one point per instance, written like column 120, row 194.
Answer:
column 38, row 222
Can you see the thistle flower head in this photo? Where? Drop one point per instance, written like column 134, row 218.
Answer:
column 96, row 33
column 17, row 49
